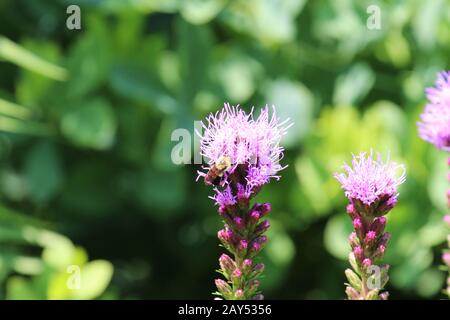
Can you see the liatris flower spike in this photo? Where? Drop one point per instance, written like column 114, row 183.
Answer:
column 435, row 124
column 435, row 128
column 243, row 155
column 371, row 188
column 446, row 255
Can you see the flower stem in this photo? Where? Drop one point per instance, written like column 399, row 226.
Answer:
column 446, row 253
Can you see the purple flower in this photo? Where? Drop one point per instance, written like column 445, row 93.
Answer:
column 370, row 180
column 435, row 124
column 371, row 188
column 224, row 197
column 243, row 155
column 446, row 258
column 254, row 143
column 447, row 219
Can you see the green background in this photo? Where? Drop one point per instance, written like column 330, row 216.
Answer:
column 86, row 117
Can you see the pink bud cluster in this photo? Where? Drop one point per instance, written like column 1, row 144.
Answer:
column 371, row 188
column 243, row 236
column 244, row 154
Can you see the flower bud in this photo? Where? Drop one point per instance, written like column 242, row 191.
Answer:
column 351, row 210
column 386, row 205
column 262, row 227
column 247, row 266
column 237, row 273
column 360, row 207
column 254, row 216
column 353, row 263
column 384, row 275
column 258, row 296
column 370, row 237
column 253, row 286
column 258, row 243
column 379, row 253
column 247, row 263
column 378, row 225
column 357, row 224
column 353, row 279
column 366, row 264
column 238, row 222
column 223, row 287
column 243, row 244
column 257, row 270
column 447, row 220
column 222, row 210
column 239, row 294
column 385, row 238
column 359, row 253
column 226, row 236
column 372, row 295
column 227, row 265
column 265, row 208
column 446, row 258
column 353, row 239
column 352, row 294
column 384, row 295
column 242, row 196
column 359, row 228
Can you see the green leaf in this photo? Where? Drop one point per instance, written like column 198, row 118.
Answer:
column 14, row 110
column 24, row 127
column 95, row 278
column 43, row 172
column 335, row 237
column 12, row 52
column 353, row 85
column 426, row 22
column 278, row 255
column 58, row 252
column 90, row 124
column 201, row 11
column 292, row 100
column 89, row 60
column 142, row 6
column 194, row 46
column 138, row 85
column 33, row 90
column 237, row 73
column 430, row 282
column 258, row 18
column 18, row 288
column 156, row 196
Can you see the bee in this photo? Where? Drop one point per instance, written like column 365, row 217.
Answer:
column 216, row 171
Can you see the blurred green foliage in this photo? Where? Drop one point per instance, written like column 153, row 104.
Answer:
column 86, row 118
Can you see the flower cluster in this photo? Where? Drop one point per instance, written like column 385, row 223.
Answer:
column 435, row 124
column 371, row 188
column 243, row 154
column 435, row 128
column 236, row 144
